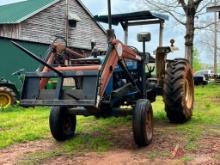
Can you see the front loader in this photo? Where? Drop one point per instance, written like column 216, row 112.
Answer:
column 104, row 85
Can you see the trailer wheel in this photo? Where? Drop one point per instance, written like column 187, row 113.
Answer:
column 178, row 91
column 62, row 125
column 143, row 123
column 7, row 97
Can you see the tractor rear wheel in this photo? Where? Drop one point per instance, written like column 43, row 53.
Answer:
column 7, row 97
column 178, row 91
column 143, row 123
column 62, row 124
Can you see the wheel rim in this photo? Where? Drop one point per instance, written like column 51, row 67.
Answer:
column 188, row 95
column 68, row 125
column 149, row 124
column 5, row 100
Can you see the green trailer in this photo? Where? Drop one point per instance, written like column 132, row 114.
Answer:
column 12, row 60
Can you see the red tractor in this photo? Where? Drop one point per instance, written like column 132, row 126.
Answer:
column 121, row 77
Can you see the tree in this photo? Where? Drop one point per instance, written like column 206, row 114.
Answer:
column 196, row 60
column 184, row 12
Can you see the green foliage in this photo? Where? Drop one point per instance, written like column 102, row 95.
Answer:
column 196, row 60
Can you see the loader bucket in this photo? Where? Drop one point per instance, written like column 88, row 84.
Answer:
column 72, row 88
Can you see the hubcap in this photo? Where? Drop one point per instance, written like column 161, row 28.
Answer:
column 5, row 100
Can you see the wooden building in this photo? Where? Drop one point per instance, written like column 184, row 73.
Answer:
column 34, row 24
column 39, row 21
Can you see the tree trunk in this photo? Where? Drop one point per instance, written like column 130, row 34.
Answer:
column 189, row 38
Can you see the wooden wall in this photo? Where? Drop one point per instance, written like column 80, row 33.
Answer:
column 43, row 26
column 86, row 29
column 10, row 31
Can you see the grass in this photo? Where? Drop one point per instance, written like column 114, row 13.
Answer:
column 185, row 159
column 154, row 154
column 205, row 118
column 93, row 134
column 18, row 125
column 37, row 157
column 206, row 115
column 21, row 125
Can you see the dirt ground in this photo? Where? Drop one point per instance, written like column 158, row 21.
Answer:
column 166, row 148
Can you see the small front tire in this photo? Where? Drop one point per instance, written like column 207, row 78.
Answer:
column 143, row 123
column 62, row 124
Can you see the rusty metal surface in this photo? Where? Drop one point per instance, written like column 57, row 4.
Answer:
column 161, row 55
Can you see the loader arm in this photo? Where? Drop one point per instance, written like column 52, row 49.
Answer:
column 116, row 54
column 93, row 79
column 57, row 49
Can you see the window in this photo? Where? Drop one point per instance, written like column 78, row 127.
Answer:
column 73, row 19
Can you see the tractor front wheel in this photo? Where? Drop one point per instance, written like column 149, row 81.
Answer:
column 178, row 91
column 7, row 97
column 143, row 123
column 62, row 124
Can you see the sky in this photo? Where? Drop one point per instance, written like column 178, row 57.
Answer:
column 172, row 31
column 123, row 6
column 2, row 2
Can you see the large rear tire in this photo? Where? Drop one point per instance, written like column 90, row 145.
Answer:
column 62, row 124
column 178, row 91
column 143, row 123
column 7, row 97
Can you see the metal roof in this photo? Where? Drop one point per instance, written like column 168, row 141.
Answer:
column 17, row 12
column 134, row 16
